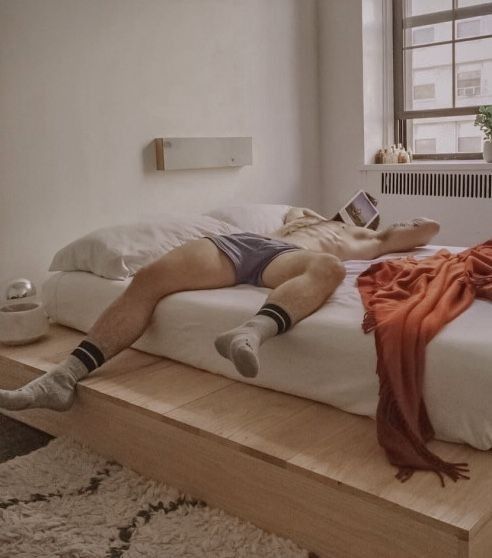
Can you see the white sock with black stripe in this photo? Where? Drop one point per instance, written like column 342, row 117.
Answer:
column 241, row 344
column 55, row 389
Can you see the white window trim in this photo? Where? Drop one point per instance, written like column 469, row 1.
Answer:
column 388, row 105
column 388, row 113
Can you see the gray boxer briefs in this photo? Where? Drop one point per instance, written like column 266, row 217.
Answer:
column 250, row 253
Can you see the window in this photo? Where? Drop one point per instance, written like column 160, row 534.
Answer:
column 426, row 91
column 469, row 83
column 469, row 145
column 427, row 145
column 443, row 73
column 423, row 36
column 470, row 28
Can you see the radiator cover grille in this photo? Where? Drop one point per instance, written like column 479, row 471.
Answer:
column 443, row 184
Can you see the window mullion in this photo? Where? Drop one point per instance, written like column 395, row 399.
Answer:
column 437, row 113
column 440, row 43
column 448, row 15
column 398, row 62
column 453, row 47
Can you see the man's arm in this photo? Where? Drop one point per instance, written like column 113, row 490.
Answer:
column 298, row 212
column 297, row 218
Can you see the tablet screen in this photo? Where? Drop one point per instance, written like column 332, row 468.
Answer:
column 359, row 210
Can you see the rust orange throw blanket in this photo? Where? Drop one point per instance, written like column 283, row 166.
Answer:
column 407, row 302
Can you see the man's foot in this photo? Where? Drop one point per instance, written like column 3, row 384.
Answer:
column 241, row 346
column 53, row 390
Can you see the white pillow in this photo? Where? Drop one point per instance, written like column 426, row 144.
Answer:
column 261, row 218
column 120, row 251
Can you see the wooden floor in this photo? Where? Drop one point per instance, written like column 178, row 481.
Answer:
column 292, row 466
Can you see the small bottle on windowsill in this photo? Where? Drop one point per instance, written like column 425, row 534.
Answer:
column 403, row 156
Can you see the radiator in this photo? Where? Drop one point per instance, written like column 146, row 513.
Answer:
column 443, row 184
column 461, row 201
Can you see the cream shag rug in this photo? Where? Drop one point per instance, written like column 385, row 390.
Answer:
column 65, row 501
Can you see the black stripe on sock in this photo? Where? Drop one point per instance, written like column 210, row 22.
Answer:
column 278, row 314
column 283, row 313
column 86, row 360
column 93, row 350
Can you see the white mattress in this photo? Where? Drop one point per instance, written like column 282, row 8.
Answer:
column 326, row 357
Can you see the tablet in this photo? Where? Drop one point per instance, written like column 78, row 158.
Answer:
column 359, row 211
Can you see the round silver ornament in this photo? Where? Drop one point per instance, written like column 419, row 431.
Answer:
column 20, row 288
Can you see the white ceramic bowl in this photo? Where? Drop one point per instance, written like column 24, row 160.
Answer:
column 22, row 322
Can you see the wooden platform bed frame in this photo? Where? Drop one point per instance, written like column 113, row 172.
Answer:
column 292, row 466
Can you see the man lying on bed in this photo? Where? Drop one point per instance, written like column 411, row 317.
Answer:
column 301, row 262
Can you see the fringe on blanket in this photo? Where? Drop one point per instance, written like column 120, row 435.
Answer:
column 394, row 417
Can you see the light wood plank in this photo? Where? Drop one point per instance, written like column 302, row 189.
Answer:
column 481, row 542
column 289, row 435
column 238, row 411
column 159, row 386
column 47, row 351
column 329, row 520
column 353, row 448
column 128, row 362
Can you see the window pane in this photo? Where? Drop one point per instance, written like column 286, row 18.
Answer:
column 427, row 145
column 427, row 91
column 451, row 134
column 474, row 73
column 468, row 83
column 469, row 145
column 426, row 34
column 422, row 35
column 467, row 28
column 465, row 3
column 418, row 7
column 429, row 66
column 473, row 27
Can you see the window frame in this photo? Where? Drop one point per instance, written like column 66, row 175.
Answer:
column 480, row 82
column 401, row 115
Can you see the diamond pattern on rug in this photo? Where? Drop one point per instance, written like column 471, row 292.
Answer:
column 64, row 500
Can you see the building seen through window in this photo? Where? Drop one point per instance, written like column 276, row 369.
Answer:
column 444, row 73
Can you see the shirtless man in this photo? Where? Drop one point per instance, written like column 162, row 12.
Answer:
column 301, row 262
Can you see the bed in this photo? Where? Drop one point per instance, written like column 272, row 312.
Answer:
column 326, row 357
column 278, row 450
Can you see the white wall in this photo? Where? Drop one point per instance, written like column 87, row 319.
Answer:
column 354, row 105
column 87, row 84
column 341, row 100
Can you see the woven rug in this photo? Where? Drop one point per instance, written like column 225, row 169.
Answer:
column 65, row 501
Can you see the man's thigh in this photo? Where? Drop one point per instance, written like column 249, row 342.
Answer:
column 197, row 264
column 286, row 266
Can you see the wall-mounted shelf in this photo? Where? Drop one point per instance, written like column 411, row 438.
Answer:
column 202, row 153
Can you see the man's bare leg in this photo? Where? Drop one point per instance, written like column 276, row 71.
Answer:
column 195, row 265
column 301, row 283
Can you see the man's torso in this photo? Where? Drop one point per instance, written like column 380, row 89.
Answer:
column 329, row 237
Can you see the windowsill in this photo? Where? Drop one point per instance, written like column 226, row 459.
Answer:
column 475, row 164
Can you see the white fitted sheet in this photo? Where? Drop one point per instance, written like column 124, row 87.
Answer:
column 326, row 357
